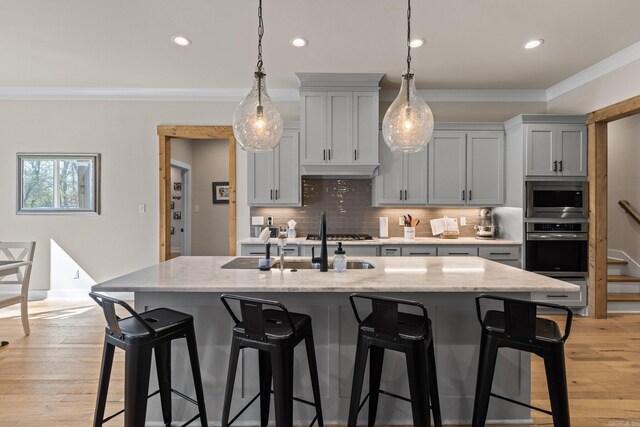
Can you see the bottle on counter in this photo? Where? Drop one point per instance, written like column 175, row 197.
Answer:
column 340, row 259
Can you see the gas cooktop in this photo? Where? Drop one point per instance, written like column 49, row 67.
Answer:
column 340, row 237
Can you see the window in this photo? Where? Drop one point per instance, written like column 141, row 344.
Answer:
column 58, row 183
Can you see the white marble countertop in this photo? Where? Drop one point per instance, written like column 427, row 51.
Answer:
column 471, row 241
column 391, row 274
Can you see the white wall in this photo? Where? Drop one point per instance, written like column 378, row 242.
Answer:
column 623, row 184
column 616, row 86
column 121, row 240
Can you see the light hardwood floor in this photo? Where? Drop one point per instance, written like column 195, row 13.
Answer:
column 50, row 377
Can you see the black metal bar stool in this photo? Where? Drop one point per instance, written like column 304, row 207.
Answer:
column 518, row 327
column 274, row 333
column 386, row 328
column 138, row 336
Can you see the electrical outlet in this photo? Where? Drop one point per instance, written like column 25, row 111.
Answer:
column 463, row 220
column 401, row 221
column 142, row 208
column 196, row 208
column 76, row 274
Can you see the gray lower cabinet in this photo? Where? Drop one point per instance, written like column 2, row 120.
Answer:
column 504, row 254
column 570, row 299
column 274, row 177
column 556, row 150
column 457, row 250
column 351, row 250
column 259, row 250
column 466, row 168
column 402, row 178
column 419, row 250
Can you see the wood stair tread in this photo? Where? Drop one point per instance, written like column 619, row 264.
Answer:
column 623, row 297
column 622, row 278
column 616, row 261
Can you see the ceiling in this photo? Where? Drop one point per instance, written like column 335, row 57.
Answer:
column 471, row 44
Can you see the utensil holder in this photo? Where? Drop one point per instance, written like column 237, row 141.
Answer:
column 409, row 233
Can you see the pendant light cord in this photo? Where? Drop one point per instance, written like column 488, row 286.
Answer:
column 259, row 73
column 408, row 75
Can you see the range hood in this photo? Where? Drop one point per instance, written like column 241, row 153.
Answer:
column 339, row 124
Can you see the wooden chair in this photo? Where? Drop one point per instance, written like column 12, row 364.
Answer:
column 17, row 251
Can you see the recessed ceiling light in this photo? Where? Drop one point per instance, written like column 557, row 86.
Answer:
column 181, row 40
column 417, row 42
column 531, row 44
column 299, row 42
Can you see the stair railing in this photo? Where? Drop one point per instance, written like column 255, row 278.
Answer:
column 630, row 210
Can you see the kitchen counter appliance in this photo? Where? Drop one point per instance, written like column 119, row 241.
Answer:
column 487, row 229
column 556, row 199
column 557, row 250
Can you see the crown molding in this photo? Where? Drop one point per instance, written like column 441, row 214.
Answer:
column 473, row 95
column 135, row 94
column 599, row 69
column 595, row 71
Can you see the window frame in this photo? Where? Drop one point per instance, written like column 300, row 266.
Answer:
column 20, row 157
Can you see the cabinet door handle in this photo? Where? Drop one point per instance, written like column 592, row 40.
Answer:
column 271, row 196
column 257, row 253
column 329, row 150
column 276, row 194
column 324, row 154
column 463, row 195
column 400, row 194
column 555, row 166
column 355, row 154
column 459, row 253
column 419, row 253
column 406, row 195
column 557, row 296
column 499, row 253
column 469, row 195
column 560, row 165
column 288, row 250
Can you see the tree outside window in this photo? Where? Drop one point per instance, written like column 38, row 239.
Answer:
column 50, row 183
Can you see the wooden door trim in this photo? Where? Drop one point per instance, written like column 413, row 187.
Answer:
column 165, row 134
column 597, row 125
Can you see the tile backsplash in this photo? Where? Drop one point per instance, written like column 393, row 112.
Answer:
column 348, row 206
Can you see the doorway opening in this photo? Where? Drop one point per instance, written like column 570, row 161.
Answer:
column 180, row 230
column 219, row 136
column 598, row 196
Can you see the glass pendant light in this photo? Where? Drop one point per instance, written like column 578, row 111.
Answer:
column 257, row 124
column 408, row 124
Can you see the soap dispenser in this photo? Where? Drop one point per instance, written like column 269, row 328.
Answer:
column 340, row 259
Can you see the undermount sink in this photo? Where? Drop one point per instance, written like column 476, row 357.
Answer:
column 307, row 265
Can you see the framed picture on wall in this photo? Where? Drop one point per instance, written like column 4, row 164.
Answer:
column 220, row 192
column 172, row 230
column 177, row 186
column 177, row 215
column 173, row 205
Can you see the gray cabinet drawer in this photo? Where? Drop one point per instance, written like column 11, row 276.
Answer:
column 351, row 250
column 391, row 251
column 511, row 263
column 458, row 251
column 419, row 250
column 499, row 252
column 570, row 299
column 291, row 250
column 254, row 250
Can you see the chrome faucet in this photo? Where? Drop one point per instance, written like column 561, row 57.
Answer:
column 324, row 258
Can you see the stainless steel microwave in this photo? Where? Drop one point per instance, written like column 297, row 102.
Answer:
column 553, row 199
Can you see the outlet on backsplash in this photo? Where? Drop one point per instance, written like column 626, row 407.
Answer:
column 400, row 221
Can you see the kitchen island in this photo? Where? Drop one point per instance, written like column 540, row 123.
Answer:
column 446, row 285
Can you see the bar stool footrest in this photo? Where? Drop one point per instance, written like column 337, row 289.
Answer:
column 396, row 396
column 176, row 392
column 535, row 408
column 245, row 407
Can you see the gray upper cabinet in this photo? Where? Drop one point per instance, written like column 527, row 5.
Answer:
column 274, row 178
column 556, row 150
column 339, row 128
column 466, row 168
column 339, row 123
column 485, row 168
column 447, row 168
column 402, row 178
